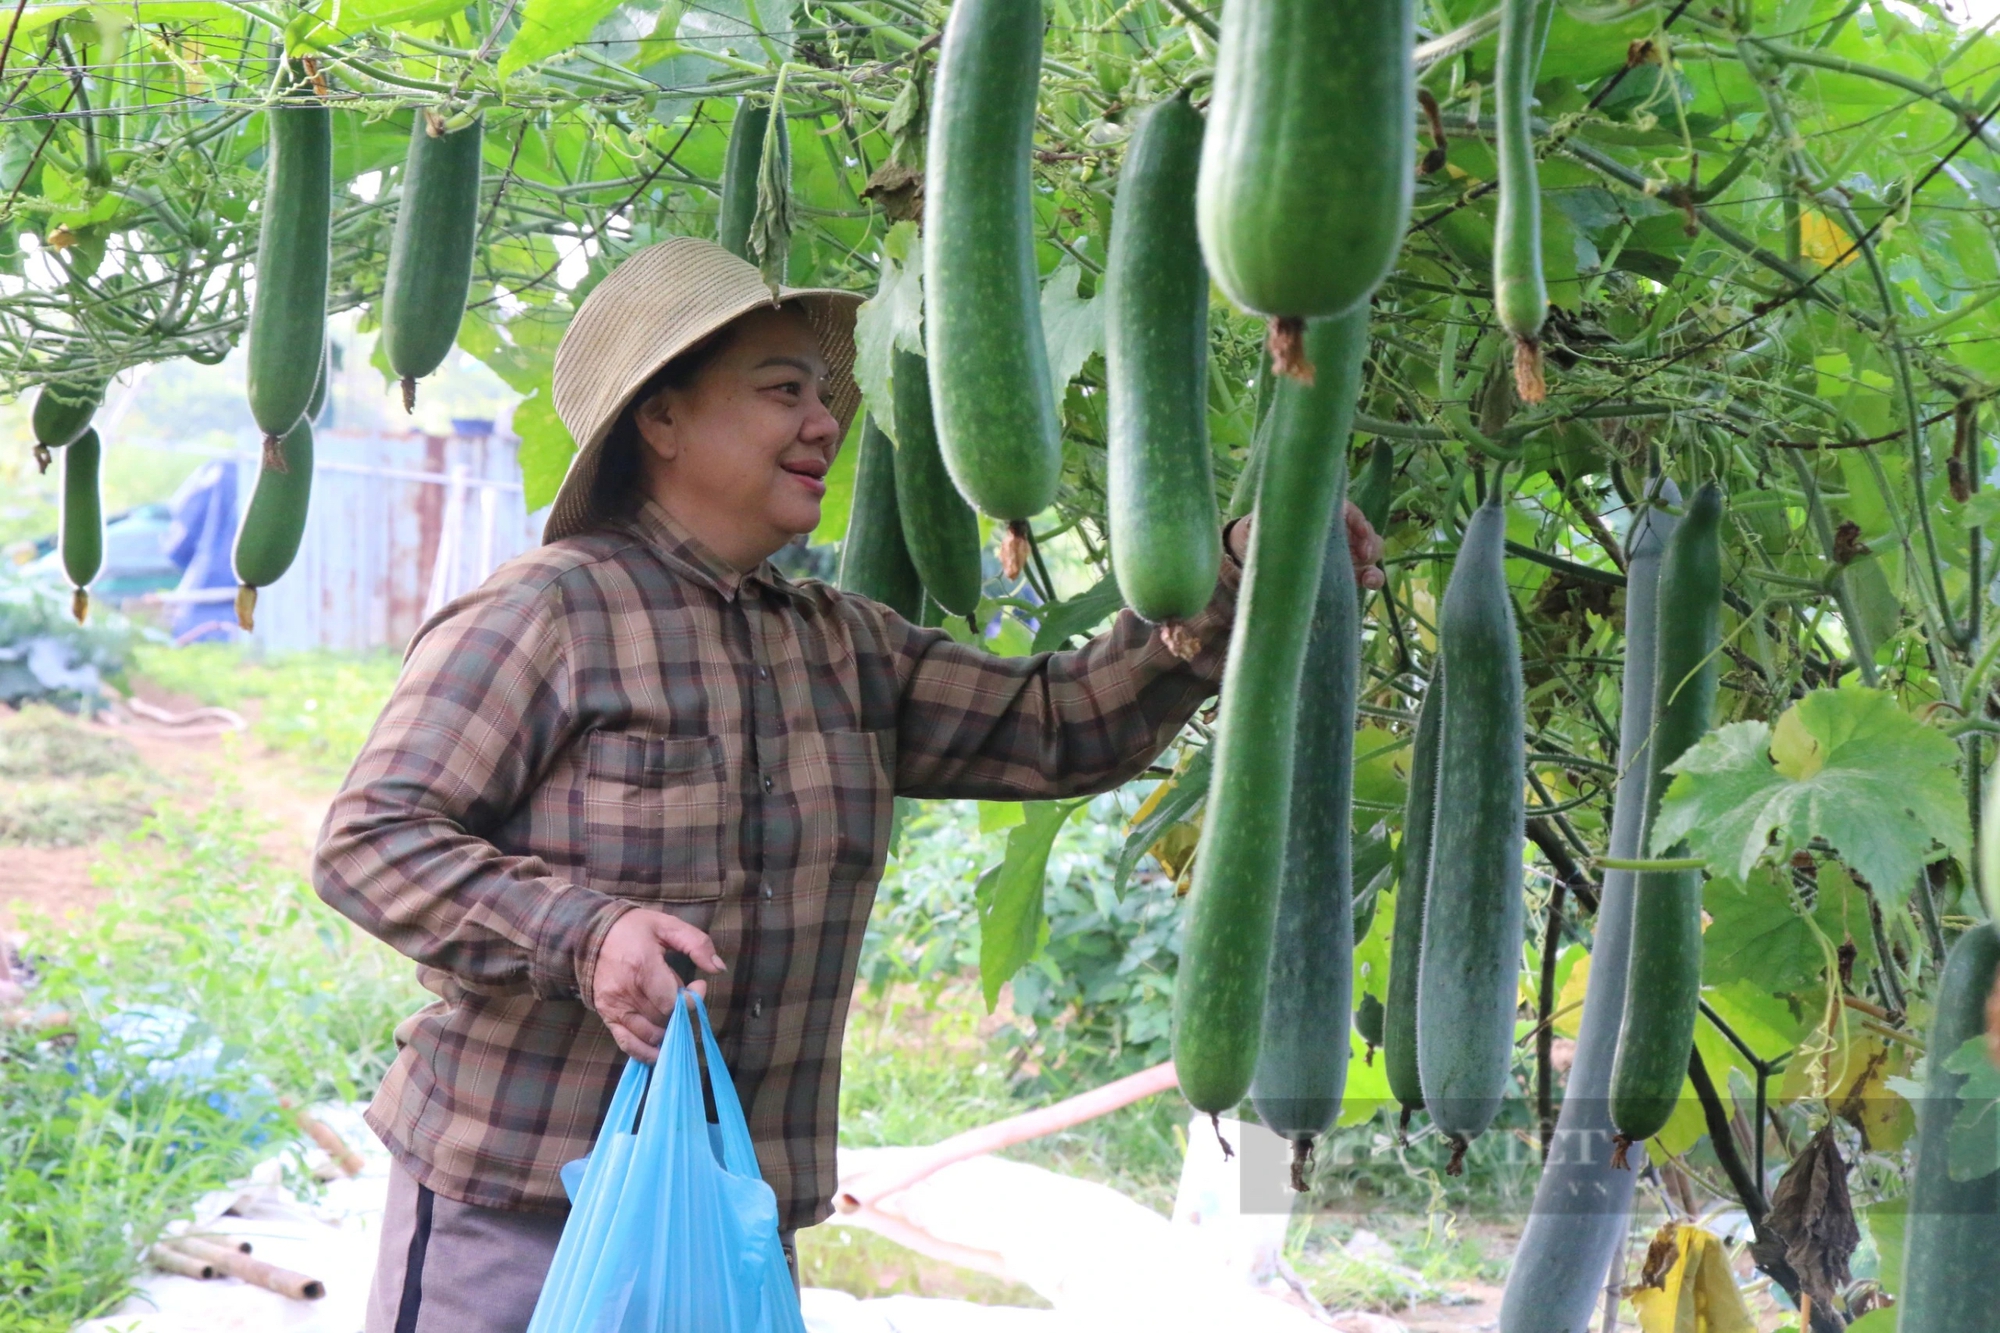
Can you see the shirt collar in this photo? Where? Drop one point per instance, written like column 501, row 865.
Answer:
column 687, row 555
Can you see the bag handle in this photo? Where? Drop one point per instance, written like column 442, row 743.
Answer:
column 739, row 1153
column 675, row 1068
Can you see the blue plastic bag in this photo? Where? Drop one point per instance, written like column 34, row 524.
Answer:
column 671, row 1228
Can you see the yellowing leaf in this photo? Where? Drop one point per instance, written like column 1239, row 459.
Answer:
column 1794, row 752
column 1176, row 848
column 1855, row 1073
column 1568, row 1017
column 1824, row 241
column 1697, row 1294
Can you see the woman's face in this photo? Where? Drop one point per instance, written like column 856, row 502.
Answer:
column 740, row 454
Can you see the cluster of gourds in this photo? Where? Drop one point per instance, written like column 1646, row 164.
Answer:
column 423, row 300
column 1293, row 192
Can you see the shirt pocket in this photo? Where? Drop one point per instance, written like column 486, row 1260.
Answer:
column 656, row 812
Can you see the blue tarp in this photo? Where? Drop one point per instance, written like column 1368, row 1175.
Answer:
column 200, row 543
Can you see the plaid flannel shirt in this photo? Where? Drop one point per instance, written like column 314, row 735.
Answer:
column 618, row 720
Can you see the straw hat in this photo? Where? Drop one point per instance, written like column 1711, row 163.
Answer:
column 652, row 307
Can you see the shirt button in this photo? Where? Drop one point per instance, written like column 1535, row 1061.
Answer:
column 767, row 782
column 766, row 891
column 756, row 1008
column 763, row 673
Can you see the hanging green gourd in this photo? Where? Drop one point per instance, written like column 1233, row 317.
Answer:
column 1406, row 940
column 275, row 519
column 80, row 535
column 431, row 250
column 1520, row 295
column 288, row 308
column 1468, row 972
column 874, row 562
column 1220, row 989
column 1302, row 1048
column 1166, row 542
column 1309, row 164
column 1663, row 977
column 996, row 407
column 939, row 528
column 737, row 207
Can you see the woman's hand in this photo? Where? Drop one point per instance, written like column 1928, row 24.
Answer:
column 1363, row 545
column 633, row 989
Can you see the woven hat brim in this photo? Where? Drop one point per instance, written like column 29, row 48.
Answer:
column 829, row 311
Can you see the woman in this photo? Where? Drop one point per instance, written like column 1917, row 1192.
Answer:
column 640, row 745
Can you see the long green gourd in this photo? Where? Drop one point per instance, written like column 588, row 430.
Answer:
column 874, row 562
column 1467, row 979
column 1302, row 1048
column 288, row 308
column 430, row 253
column 1520, row 296
column 1406, row 937
column 1663, row 977
column 1219, row 991
column 939, row 527
column 996, row 406
column 275, row 519
column 80, row 535
column 1310, row 161
column 1951, row 1283
column 1578, row 1223
column 738, row 205
column 1166, row 535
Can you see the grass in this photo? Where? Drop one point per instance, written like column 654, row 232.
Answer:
column 64, row 786
column 315, row 706
column 212, row 983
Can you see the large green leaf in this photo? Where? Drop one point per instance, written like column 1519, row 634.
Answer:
column 1757, row 934
column 1847, row 766
column 546, row 448
column 892, row 318
column 549, row 27
column 1010, row 897
column 1079, row 615
column 1072, row 326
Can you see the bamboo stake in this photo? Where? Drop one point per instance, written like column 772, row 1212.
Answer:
column 181, row 1265
column 256, row 1272
column 326, row 1137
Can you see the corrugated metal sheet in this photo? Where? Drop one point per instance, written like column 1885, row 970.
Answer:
column 400, row 524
